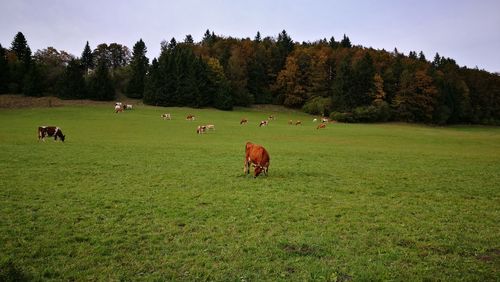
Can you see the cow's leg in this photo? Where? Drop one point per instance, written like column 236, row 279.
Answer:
column 247, row 167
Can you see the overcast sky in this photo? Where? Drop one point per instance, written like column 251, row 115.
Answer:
column 467, row 31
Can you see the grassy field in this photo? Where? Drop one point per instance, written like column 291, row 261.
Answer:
column 133, row 197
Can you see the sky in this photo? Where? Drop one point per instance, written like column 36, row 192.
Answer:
column 467, row 31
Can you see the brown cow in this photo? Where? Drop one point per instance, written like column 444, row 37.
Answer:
column 298, row 122
column 263, row 123
column 321, row 125
column 243, row 121
column 50, row 131
column 190, row 117
column 257, row 156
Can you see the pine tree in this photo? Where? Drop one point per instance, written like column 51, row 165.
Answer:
column 21, row 49
column 72, row 82
column 100, row 84
column 4, row 71
column 138, row 67
column 421, row 56
column 333, row 44
column 152, row 84
column 342, row 87
column 346, row 42
column 257, row 38
column 189, row 39
column 364, row 72
column 33, row 82
column 21, row 64
column 87, row 58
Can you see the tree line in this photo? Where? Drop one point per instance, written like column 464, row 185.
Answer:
column 326, row 77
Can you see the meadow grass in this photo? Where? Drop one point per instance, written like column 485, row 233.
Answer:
column 130, row 196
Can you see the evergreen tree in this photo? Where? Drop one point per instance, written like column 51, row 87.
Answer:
column 20, row 65
column 257, row 38
column 72, row 82
column 33, row 82
column 139, row 67
column 87, row 58
column 421, row 56
column 189, row 39
column 100, row 84
column 4, row 71
column 342, row 87
column 437, row 61
column 21, row 49
column 346, row 42
column 285, row 46
column 333, row 44
column 364, row 72
column 152, row 85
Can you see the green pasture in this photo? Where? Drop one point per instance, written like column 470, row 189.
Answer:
column 132, row 197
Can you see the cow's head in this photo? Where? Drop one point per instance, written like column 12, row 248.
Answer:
column 63, row 137
column 260, row 169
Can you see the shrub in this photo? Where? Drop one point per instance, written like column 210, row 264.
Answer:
column 318, row 106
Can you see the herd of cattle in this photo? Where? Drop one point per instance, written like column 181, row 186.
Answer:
column 255, row 155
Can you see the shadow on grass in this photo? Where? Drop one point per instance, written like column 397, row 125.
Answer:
column 9, row 271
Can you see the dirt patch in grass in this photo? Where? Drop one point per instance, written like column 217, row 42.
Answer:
column 20, row 101
column 301, row 250
column 489, row 255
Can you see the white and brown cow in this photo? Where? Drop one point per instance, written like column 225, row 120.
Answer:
column 166, row 116
column 51, row 131
column 201, row 129
column 263, row 123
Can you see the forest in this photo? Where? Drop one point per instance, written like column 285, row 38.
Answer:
column 326, row 77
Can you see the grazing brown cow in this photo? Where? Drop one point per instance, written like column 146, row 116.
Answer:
column 243, row 121
column 50, row 131
column 190, row 117
column 257, row 156
column 298, row 122
column 321, row 125
column 263, row 123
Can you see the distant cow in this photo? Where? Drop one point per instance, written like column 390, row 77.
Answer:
column 298, row 122
column 127, row 107
column 201, row 129
column 190, row 117
column 263, row 123
column 271, row 117
column 166, row 116
column 290, row 122
column 118, row 108
column 210, row 127
column 50, row 131
column 243, row 121
column 257, row 156
column 321, row 125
